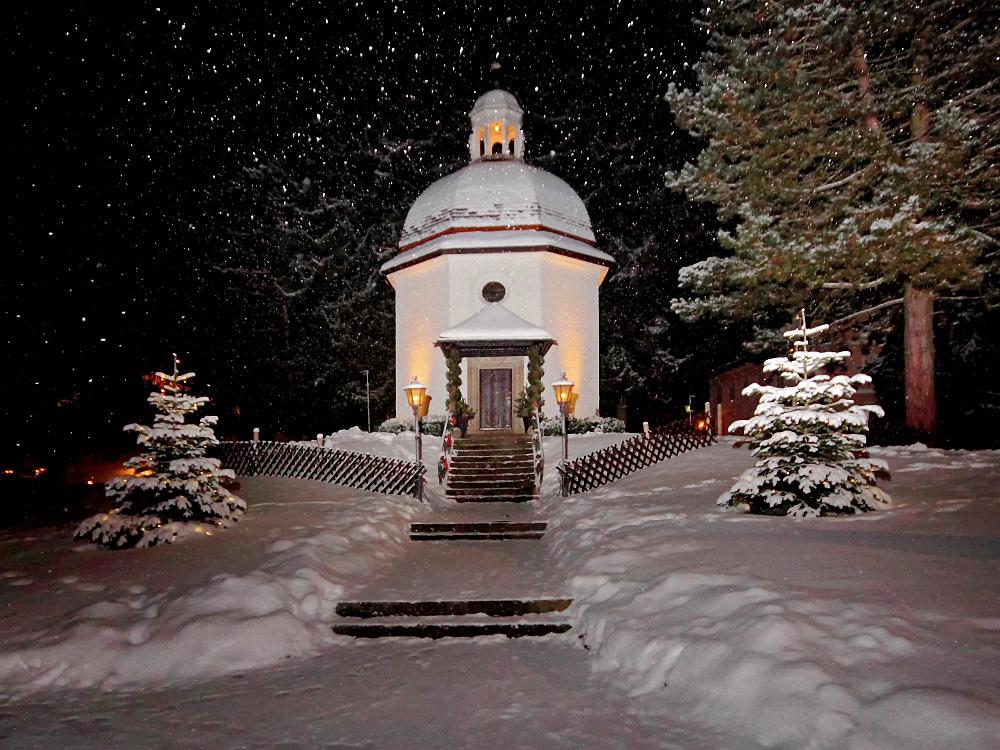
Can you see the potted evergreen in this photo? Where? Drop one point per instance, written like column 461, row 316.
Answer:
column 463, row 412
column 523, row 408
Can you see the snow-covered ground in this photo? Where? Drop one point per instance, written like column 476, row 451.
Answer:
column 718, row 630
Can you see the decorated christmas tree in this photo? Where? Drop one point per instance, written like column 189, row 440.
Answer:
column 175, row 490
column 809, row 438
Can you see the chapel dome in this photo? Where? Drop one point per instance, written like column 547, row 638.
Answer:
column 497, row 203
column 497, row 99
column 492, row 195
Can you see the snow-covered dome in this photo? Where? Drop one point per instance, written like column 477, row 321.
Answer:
column 497, row 203
column 493, row 195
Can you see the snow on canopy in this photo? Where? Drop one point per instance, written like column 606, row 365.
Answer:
column 495, row 323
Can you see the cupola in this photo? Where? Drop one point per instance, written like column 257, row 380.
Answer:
column 496, row 127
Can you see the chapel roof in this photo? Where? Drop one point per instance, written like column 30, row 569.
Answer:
column 501, row 204
column 496, row 99
column 497, row 203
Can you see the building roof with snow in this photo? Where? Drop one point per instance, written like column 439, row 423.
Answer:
column 494, row 330
column 497, row 203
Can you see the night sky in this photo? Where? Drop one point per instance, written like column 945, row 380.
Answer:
column 126, row 125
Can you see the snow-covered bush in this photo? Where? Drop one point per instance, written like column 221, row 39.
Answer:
column 582, row 425
column 176, row 491
column 809, row 437
column 432, row 424
column 396, row 426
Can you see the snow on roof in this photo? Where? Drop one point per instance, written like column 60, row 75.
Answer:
column 495, row 323
column 505, row 240
column 497, row 194
column 496, row 99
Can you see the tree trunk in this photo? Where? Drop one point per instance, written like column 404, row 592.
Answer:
column 918, row 352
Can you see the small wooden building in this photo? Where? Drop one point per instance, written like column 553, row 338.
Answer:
column 725, row 389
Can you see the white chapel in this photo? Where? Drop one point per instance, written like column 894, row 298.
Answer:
column 497, row 270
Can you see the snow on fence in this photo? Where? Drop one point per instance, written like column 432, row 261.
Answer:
column 389, row 476
column 616, row 461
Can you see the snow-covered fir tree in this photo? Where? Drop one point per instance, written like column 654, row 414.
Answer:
column 809, row 438
column 176, row 491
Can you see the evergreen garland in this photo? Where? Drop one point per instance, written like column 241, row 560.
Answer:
column 454, row 379
column 535, row 373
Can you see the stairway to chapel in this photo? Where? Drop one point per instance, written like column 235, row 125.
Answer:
column 492, row 468
column 478, row 569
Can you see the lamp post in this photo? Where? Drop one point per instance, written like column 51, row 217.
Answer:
column 415, row 396
column 564, row 392
column 368, row 399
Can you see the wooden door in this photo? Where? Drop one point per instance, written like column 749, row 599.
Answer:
column 495, row 399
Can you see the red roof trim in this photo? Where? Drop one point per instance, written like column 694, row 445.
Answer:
column 456, row 230
column 523, row 249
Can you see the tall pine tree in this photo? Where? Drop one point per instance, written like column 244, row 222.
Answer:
column 852, row 153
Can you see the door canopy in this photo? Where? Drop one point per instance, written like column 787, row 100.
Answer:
column 494, row 331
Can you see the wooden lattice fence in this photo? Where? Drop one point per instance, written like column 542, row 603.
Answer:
column 616, row 461
column 390, row 476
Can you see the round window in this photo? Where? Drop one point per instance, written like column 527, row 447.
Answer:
column 494, row 292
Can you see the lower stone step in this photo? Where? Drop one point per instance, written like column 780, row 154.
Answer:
column 454, row 607
column 514, row 618
column 491, row 498
column 488, row 530
column 451, row 630
column 521, row 498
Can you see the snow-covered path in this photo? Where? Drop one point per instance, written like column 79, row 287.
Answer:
column 493, row 693
column 705, row 629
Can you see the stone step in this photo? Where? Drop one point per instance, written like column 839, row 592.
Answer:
column 494, row 439
column 477, row 531
column 460, row 462
column 485, row 490
column 491, row 459
column 452, row 608
column 489, row 488
column 485, row 450
column 491, row 453
column 450, row 630
column 500, row 475
column 490, row 479
column 495, row 450
column 513, row 498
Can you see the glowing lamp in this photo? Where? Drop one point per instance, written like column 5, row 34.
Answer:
column 415, row 393
column 415, row 397
column 564, row 391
